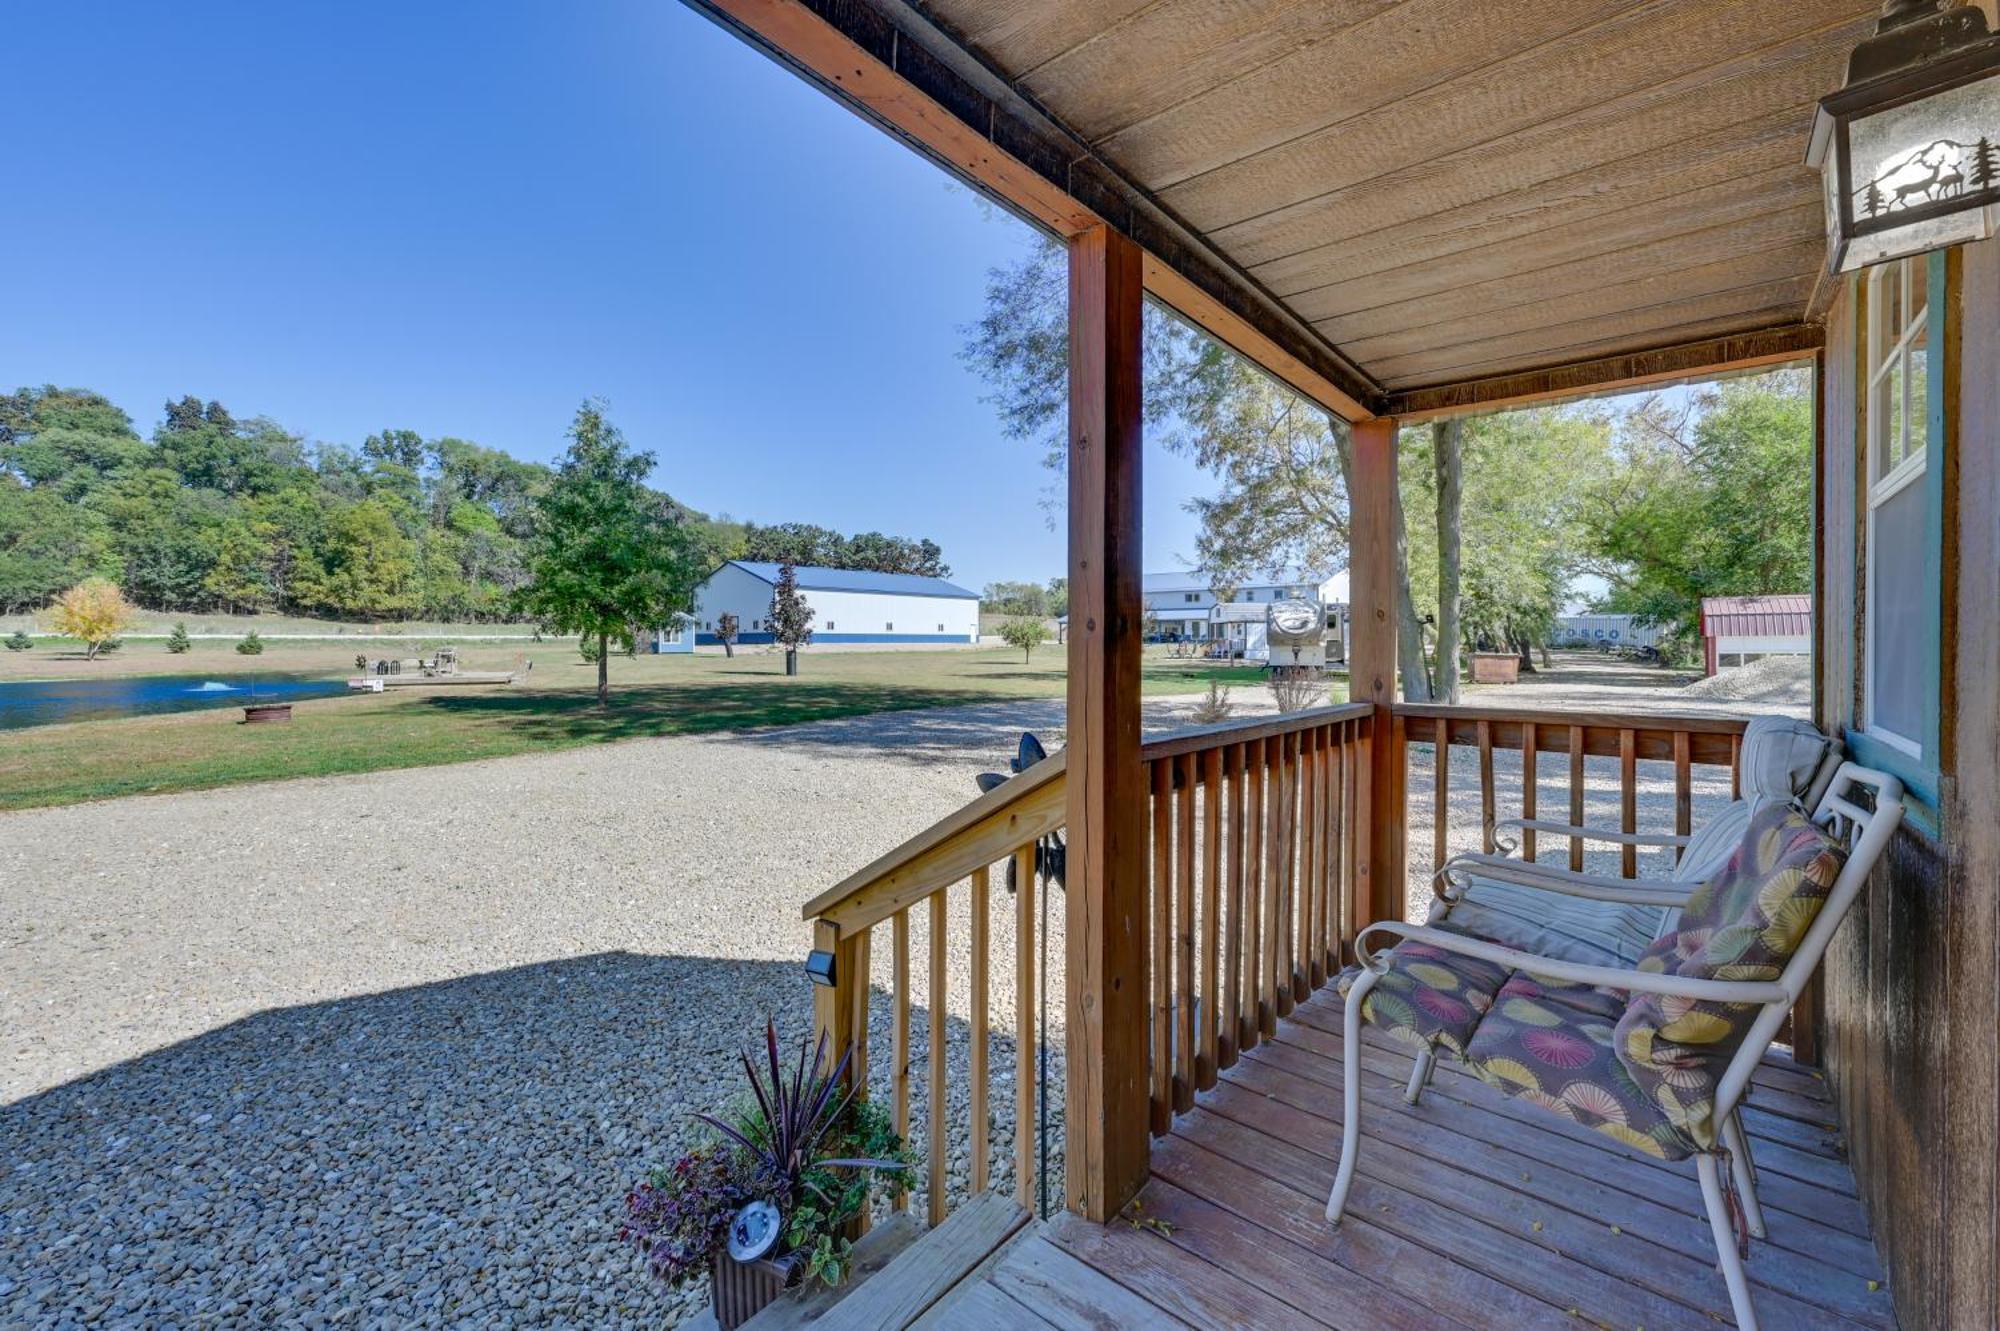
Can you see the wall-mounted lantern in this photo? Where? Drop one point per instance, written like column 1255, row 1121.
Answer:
column 1910, row 148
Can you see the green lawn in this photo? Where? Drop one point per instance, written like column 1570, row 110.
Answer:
column 651, row 695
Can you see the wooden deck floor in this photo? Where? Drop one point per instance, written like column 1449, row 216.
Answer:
column 1469, row 1211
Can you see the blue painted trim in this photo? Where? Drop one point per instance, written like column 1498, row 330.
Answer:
column 765, row 639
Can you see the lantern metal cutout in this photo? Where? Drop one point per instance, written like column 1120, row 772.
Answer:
column 1910, row 148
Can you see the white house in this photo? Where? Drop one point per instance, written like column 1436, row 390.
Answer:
column 1184, row 605
column 848, row 606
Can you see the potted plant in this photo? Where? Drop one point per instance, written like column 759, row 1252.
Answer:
column 773, row 1199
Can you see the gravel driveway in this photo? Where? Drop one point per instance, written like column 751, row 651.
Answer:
column 387, row 1050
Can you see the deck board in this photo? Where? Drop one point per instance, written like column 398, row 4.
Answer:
column 1468, row 1211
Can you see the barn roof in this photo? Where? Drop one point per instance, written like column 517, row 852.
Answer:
column 1755, row 616
column 858, row 580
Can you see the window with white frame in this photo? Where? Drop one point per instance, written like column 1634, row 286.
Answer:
column 1896, row 690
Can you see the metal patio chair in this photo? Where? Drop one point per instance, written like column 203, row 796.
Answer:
column 1657, row 1054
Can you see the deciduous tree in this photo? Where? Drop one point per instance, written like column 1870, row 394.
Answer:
column 791, row 617
column 1025, row 632
column 607, row 552
column 94, row 612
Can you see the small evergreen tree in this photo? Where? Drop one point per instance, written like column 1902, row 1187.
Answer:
column 1985, row 164
column 19, row 642
column 252, row 645
column 791, row 617
column 1025, row 632
column 177, row 641
column 726, row 628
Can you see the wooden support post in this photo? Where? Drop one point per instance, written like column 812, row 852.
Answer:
column 1105, row 907
column 1371, row 666
column 833, row 1004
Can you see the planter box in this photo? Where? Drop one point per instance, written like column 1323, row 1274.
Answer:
column 739, row 1291
column 263, row 712
column 1495, row 668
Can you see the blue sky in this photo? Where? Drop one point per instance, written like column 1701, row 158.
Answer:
column 464, row 218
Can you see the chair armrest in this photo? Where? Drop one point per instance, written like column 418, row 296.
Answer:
column 1602, row 977
column 1589, row 833
column 1596, row 887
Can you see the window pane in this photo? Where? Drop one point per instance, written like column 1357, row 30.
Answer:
column 1892, row 420
column 1918, row 412
column 1896, row 604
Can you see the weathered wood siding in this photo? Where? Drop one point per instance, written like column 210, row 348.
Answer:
column 1913, row 981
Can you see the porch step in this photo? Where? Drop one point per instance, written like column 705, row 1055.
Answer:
column 921, row 1274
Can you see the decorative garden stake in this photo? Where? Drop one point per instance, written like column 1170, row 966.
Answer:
column 1910, row 148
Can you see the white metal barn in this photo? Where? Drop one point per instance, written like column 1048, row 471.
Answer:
column 848, row 605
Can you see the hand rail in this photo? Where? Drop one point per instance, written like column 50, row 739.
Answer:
column 1276, row 797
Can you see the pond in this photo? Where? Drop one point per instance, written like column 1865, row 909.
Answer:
column 44, row 702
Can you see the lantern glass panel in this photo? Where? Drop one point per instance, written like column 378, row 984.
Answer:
column 1920, row 155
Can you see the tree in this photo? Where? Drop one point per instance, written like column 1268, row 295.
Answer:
column 94, row 612
column 1015, row 598
column 726, row 626
column 791, row 617
column 252, row 645
column 1058, row 596
column 177, row 641
column 1447, row 442
column 1283, row 464
column 607, row 552
column 1025, row 632
column 1713, row 499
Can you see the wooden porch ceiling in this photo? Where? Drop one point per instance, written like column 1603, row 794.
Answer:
column 1400, row 206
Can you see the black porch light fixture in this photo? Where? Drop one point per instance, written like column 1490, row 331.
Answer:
column 1909, row 150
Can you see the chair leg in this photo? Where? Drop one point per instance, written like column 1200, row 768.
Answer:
column 1350, row 1118
column 1420, row 1075
column 1744, row 1170
column 1725, row 1242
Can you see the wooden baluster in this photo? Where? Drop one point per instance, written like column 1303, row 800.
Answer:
column 1528, row 740
column 1025, row 999
column 1440, row 790
column 1301, row 870
column 1253, row 897
column 1212, row 1007
column 899, row 1034
column 1628, row 799
column 1341, row 823
column 1287, row 844
column 1576, row 796
column 1161, row 1097
column 857, row 1025
column 1683, row 791
column 976, row 1076
column 1486, row 786
column 1184, row 992
column 1736, row 767
column 1237, row 760
column 937, row 1144
column 1312, row 956
column 1273, row 899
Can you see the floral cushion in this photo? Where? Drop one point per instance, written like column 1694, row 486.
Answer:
column 1743, row 924
column 1429, row 996
column 1553, row 1044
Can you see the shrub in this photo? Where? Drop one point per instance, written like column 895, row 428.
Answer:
column 252, row 645
column 177, row 641
column 586, row 647
column 1215, row 708
column 1297, row 688
column 19, row 642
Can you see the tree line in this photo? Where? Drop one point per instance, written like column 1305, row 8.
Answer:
column 216, row 512
column 1501, row 517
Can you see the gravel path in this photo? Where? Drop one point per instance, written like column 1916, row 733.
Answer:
column 387, row 1050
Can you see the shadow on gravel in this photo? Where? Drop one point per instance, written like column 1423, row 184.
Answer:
column 453, row 1153
column 691, row 707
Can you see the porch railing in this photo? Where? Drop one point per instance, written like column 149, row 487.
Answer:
column 1258, row 830
column 1250, row 886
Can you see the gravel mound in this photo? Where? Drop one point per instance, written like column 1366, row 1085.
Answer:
column 1784, row 681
